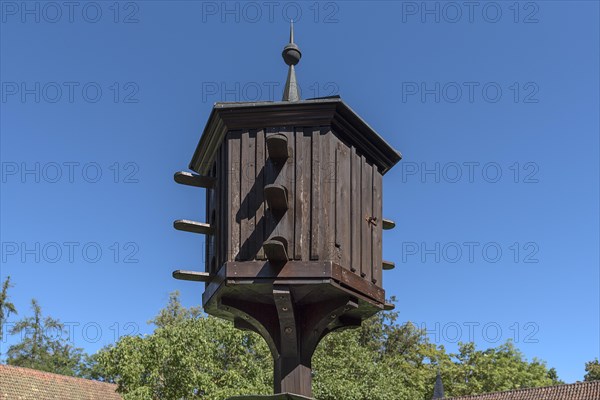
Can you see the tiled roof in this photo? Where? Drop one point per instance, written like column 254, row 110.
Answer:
column 574, row 391
column 28, row 384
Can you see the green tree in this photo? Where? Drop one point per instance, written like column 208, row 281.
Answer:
column 175, row 313
column 188, row 356
column 6, row 307
column 471, row 371
column 592, row 369
column 194, row 356
column 379, row 360
column 44, row 345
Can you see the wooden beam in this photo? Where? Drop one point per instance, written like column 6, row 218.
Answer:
column 387, row 265
column 276, row 197
column 189, row 179
column 193, row 226
column 277, row 147
column 389, row 306
column 388, row 224
column 192, row 276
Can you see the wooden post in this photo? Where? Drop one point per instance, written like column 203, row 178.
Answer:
column 292, row 375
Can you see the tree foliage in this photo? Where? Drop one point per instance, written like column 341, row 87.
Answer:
column 194, row 356
column 6, row 307
column 188, row 356
column 44, row 346
column 592, row 369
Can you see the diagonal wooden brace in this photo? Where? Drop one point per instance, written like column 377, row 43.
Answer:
column 287, row 321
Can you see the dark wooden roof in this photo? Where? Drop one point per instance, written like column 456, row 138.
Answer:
column 574, row 391
column 28, row 384
column 351, row 128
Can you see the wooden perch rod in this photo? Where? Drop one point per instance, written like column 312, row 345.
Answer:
column 192, row 276
column 189, row 179
column 387, row 265
column 193, row 226
column 388, row 224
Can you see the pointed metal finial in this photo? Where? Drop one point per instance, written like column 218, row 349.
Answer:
column 291, row 55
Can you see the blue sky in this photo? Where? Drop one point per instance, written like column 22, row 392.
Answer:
column 494, row 106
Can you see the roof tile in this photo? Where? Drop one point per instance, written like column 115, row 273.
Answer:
column 574, row 391
column 18, row 383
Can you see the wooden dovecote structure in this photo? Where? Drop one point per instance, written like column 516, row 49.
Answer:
column 295, row 223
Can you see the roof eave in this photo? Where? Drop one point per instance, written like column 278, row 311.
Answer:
column 328, row 111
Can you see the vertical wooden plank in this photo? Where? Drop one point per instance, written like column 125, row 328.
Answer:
column 343, row 207
column 247, row 172
column 260, row 200
column 250, row 176
column 298, row 189
column 216, row 209
column 234, row 139
column 337, row 197
column 327, row 204
column 303, row 193
column 242, row 211
column 315, row 197
column 224, row 201
column 377, row 229
column 336, row 203
column 209, row 240
column 355, row 210
column 288, row 180
column 219, row 208
column 334, row 178
column 206, row 238
column 367, row 208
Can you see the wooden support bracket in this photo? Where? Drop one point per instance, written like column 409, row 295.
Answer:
column 287, row 321
column 276, row 197
column 192, row 276
column 193, row 226
column 276, row 249
column 277, row 147
column 189, row 179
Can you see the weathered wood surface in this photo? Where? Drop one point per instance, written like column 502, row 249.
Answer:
column 315, row 198
column 298, row 270
column 376, row 227
column 234, row 176
column 324, row 198
column 366, row 213
column 260, row 205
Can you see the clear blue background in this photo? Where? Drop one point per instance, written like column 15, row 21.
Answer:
column 170, row 62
